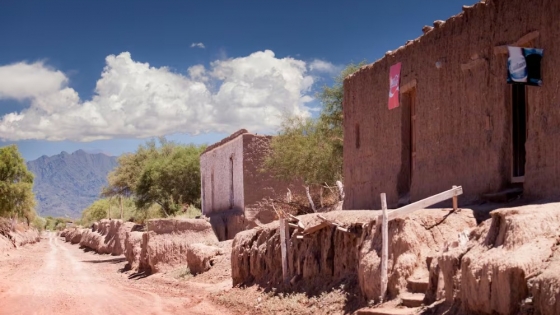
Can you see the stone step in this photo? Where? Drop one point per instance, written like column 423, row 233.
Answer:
column 417, row 285
column 387, row 311
column 504, row 195
column 412, row 299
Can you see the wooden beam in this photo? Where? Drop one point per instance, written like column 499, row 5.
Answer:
column 455, row 201
column 316, row 228
column 340, row 228
column 403, row 211
column 523, row 41
column 408, row 86
column 283, row 229
column 384, row 247
column 527, row 38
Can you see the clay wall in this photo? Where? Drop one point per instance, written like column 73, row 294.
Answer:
column 259, row 185
column 216, row 176
column 463, row 110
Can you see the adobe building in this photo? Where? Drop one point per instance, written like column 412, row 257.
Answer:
column 234, row 186
column 459, row 122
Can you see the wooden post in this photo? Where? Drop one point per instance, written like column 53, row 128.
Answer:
column 455, row 202
column 340, row 190
column 310, row 199
column 384, row 247
column 109, row 214
column 122, row 211
column 284, row 230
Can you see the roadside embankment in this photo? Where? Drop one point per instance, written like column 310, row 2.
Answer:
column 104, row 237
column 160, row 246
column 14, row 235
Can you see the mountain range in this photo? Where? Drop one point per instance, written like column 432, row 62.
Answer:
column 65, row 184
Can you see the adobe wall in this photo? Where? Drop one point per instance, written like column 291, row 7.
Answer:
column 259, row 184
column 463, row 116
column 215, row 170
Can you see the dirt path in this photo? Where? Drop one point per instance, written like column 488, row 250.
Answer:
column 54, row 277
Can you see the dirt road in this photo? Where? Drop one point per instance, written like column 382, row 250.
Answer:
column 54, row 277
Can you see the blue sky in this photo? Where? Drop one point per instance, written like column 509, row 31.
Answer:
column 259, row 58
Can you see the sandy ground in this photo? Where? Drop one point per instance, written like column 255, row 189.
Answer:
column 54, row 277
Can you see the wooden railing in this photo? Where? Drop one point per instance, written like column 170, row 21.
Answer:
column 387, row 216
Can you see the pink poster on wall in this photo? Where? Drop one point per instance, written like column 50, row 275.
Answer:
column 394, row 83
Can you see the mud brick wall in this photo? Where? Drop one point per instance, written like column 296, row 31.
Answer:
column 251, row 185
column 259, row 184
column 216, row 177
column 463, row 110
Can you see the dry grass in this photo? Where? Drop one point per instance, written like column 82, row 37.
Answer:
column 256, row 301
column 181, row 273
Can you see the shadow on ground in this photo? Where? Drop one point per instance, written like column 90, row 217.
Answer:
column 111, row 261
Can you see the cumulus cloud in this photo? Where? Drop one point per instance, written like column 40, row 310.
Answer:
column 198, row 45
column 23, row 80
column 318, row 65
column 134, row 99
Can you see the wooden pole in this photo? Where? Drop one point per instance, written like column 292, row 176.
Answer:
column 284, row 229
column 384, row 247
column 455, row 201
column 109, row 214
column 340, row 190
column 310, row 199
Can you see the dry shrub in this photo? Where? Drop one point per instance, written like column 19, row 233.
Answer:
column 299, row 204
column 255, row 300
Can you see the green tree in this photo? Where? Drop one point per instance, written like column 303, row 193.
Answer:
column 163, row 173
column 110, row 208
column 171, row 180
column 16, row 184
column 306, row 149
column 123, row 180
column 311, row 149
column 96, row 211
column 331, row 97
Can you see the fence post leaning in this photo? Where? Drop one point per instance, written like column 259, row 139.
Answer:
column 284, row 231
column 384, row 247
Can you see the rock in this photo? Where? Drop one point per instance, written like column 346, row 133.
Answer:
column 200, row 257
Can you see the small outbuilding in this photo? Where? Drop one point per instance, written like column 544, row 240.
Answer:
column 235, row 188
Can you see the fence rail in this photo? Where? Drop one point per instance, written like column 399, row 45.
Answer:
column 387, row 216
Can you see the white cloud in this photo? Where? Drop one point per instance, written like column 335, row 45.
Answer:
column 198, row 45
column 318, row 65
column 134, row 100
column 22, row 80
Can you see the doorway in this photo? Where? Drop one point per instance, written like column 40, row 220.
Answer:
column 519, row 132
column 408, row 149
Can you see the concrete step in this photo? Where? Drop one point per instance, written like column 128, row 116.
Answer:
column 387, row 311
column 417, row 285
column 412, row 299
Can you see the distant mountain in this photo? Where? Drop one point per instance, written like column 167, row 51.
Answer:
column 65, row 184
